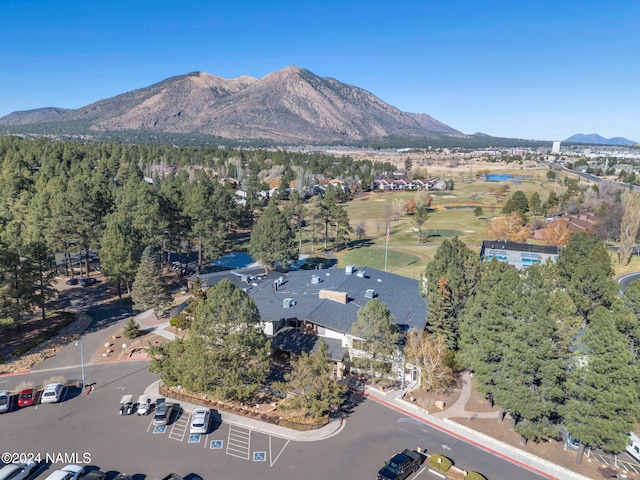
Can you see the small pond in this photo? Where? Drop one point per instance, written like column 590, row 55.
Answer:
column 503, row 177
column 458, row 207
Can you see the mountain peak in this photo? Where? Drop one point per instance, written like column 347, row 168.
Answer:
column 291, row 105
column 595, row 139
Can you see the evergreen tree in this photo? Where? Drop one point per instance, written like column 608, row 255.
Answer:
column 149, row 290
column 119, row 251
column 272, row 239
column 208, row 206
column 294, row 211
column 450, row 281
column 602, row 398
column 311, row 380
column 231, row 351
column 535, row 203
column 131, row 329
column 585, row 270
column 529, row 383
column 378, row 336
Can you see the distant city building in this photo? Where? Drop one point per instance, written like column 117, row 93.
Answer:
column 556, row 147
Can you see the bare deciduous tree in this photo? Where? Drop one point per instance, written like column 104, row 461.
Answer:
column 510, row 228
column 556, row 233
column 629, row 225
column 428, row 354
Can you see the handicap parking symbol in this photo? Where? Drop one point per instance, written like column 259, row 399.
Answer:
column 194, row 438
column 259, row 456
column 160, row 429
column 216, row 444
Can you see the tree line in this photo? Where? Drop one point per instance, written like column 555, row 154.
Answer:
column 71, row 198
column 552, row 344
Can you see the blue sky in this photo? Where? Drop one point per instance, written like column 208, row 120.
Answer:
column 535, row 69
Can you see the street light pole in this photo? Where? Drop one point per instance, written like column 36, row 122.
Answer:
column 79, row 342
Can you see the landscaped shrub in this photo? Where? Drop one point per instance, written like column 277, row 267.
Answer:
column 440, row 462
column 131, row 329
column 474, row 476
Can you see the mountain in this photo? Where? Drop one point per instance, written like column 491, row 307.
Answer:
column 33, row 116
column 595, row 139
column 291, row 105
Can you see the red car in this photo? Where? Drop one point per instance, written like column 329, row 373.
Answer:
column 26, row 398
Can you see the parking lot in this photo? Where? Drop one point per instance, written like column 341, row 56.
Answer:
column 89, row 430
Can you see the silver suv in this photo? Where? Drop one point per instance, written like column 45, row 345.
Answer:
column 5, row 400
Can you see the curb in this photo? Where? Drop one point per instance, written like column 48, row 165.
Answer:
column 332, row 429
column 417, row 416
column 14, row 373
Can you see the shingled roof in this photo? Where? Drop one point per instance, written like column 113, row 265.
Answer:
column 400, row 294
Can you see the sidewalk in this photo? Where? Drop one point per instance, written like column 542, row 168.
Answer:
column 393, row 400
column 441, row 421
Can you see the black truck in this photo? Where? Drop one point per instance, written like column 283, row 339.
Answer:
column 401, row 465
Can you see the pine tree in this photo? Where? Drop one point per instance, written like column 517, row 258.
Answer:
column 602, row 398
column 233, row 351
column 272, row 239
column 450, row 281
column 311, row 381
column 149, row 290
column 378, row 335
column 586, row 272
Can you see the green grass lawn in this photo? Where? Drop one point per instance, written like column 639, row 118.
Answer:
column 405, row 256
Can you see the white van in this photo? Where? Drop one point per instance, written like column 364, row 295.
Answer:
column 52, row 393
column 633, row 447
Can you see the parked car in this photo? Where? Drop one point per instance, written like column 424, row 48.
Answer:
column 126, row 405
column 123, row 476
column 163, row 413
column 95, row 475
column 17, row 471
column 52, row 393
column 26, row 398
column 72, row 281
column 5, row 401
column 144, row 405
column 70, row 472
column 401, row 465
column 172, row 476
column 86, row 281
column 200, row 421
column 633, row 447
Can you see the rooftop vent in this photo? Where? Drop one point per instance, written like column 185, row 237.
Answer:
column 370, row 293
column 350, row 269
column 315, row 279
column 288, row 303
column 361, row 273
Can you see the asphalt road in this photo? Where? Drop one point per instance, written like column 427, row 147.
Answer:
column 625, row 280
column 89, row 430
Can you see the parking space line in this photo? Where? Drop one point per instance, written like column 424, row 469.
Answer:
column 239, row 442
column 274, row 460
column 179, row 428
